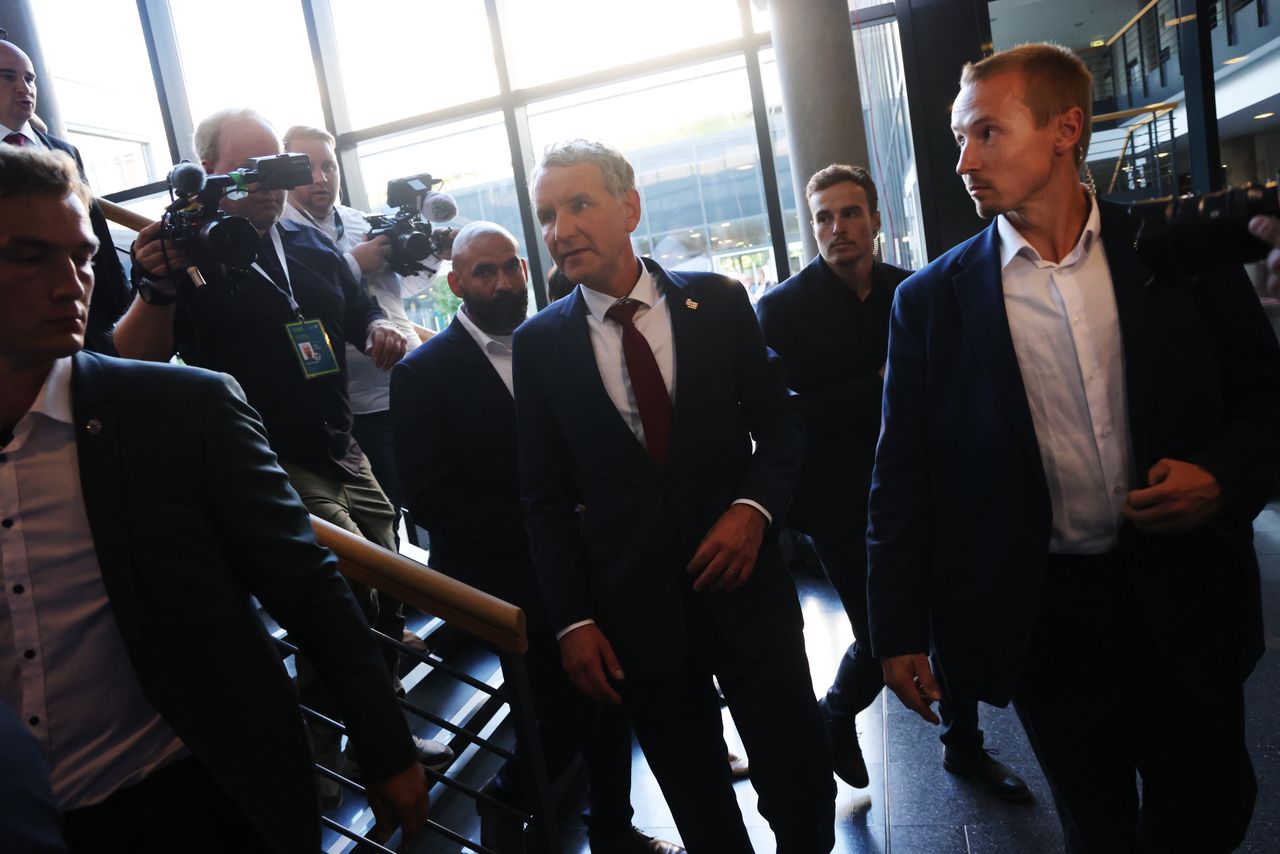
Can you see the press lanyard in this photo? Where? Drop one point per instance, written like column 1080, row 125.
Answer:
column 287, row 291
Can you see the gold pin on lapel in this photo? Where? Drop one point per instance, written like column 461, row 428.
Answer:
column 94, row 426
column 691, row 304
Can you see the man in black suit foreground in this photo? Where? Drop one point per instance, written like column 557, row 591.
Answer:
column 830, row 325
column 111, row 293
column 651, row 518
column 1076, row 441
column 142, row 509
column 454, row 424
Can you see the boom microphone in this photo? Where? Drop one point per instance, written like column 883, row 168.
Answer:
column 438, row 207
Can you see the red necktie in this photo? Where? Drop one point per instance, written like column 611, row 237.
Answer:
column 17, row 139
column 646, row 380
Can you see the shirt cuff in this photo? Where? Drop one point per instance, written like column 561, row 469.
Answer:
column 560, row 634
column 354, row 265
column 767, row 515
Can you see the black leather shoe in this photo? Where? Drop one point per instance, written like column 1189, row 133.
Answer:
column 500, row 831
column 846, row 755
column 981, row 767
column 632, row 841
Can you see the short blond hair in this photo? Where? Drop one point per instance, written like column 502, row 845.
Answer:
column 30, row 171
column 1055, row 81
column 308, row 132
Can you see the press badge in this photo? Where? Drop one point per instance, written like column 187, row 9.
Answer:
column 311, row 344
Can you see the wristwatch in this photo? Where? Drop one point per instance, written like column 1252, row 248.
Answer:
column 164, row 292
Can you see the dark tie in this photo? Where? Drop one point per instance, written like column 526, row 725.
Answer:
column 17, row 139
column 646, row 380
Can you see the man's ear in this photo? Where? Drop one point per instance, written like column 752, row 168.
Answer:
column 1070, row 130
column 452, row 279
column 631, row 206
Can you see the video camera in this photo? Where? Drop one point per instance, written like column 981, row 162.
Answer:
column 1202, row 232
column 193, row 222
column 413, row 242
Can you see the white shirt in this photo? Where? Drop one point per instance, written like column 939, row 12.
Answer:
column 1066, row 334
column 496, row 348
column 653, row 320
column 63, row 665
column 26, row 131
column 368, row 386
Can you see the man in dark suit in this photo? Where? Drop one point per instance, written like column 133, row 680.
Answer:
column 111, row 292
column 1076, row 440
column 455, row 434
column 830, row 325
column 142, row 507
column 651, row 519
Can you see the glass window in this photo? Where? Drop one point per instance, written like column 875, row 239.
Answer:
column 473, row 159
column 401, row 58
column 247, row 53
column 112, row 115
column 555, row 39
column 691, row 138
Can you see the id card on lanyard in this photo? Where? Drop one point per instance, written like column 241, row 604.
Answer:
column 308, row 337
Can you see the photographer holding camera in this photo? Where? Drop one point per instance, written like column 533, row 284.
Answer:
column 369, row 385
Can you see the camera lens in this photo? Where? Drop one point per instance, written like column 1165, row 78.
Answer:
column 229, row 240
column 415, row 245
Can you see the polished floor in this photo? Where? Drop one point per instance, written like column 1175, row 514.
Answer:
column 913, row 806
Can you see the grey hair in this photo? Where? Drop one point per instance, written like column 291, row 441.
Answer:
column 619, row 177
column 209, row 130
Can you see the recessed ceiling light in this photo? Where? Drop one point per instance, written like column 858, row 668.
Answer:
column 1264, row 115
column 1233, row 60
column 1163, row 154
column 1098, row 43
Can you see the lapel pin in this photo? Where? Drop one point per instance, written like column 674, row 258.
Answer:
column 94, row 426
column 691, row 304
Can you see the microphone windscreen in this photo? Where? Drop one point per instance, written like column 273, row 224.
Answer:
column 439, row 207
column 187, row 178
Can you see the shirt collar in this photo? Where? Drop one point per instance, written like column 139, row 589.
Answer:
column 1013, row 244
column 54, row 399
column 645, row 291
column 26, row 130
column 489, row 343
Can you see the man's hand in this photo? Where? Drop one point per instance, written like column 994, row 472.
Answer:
column 1181, row 496
column 443, row 237
column 386, row 345
column 587, row 656
column 399, row 802
column 910, row 677
column 372, row 254
column 1268, row 228
column 158, row 260
column 727, row 554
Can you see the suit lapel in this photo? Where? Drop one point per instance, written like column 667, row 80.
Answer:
column 98, row 431
column 1130, row 277
column 980, row 292
column 475, row 361
column 689, row 364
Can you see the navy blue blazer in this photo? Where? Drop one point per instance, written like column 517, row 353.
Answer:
column 190, row 516
column 111, row 291
column 960, row 513
column 454, row 428
column 620, row 559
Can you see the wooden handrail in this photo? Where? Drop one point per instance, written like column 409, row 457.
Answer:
column 487, row 617
column 123, row 216
column 1157, row 109
column 1132, row 21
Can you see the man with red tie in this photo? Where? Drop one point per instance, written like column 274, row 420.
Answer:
column 651, row 518
column 111, row 293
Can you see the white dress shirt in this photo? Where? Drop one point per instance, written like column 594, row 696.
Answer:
column 653, row 320
column 368, row 386
column 496, row 348
column 26, row 131
column 63, row 665
column 1066, row 334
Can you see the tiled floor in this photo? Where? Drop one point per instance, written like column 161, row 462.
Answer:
column 914, row 807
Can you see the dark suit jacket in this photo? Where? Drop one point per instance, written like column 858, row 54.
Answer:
column 190, row 516
column 454, row 426
column 111, row 291
column 806, row 321
column 621, row 562
column 960, row 514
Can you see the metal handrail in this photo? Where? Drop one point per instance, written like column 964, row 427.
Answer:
column 487, row 617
